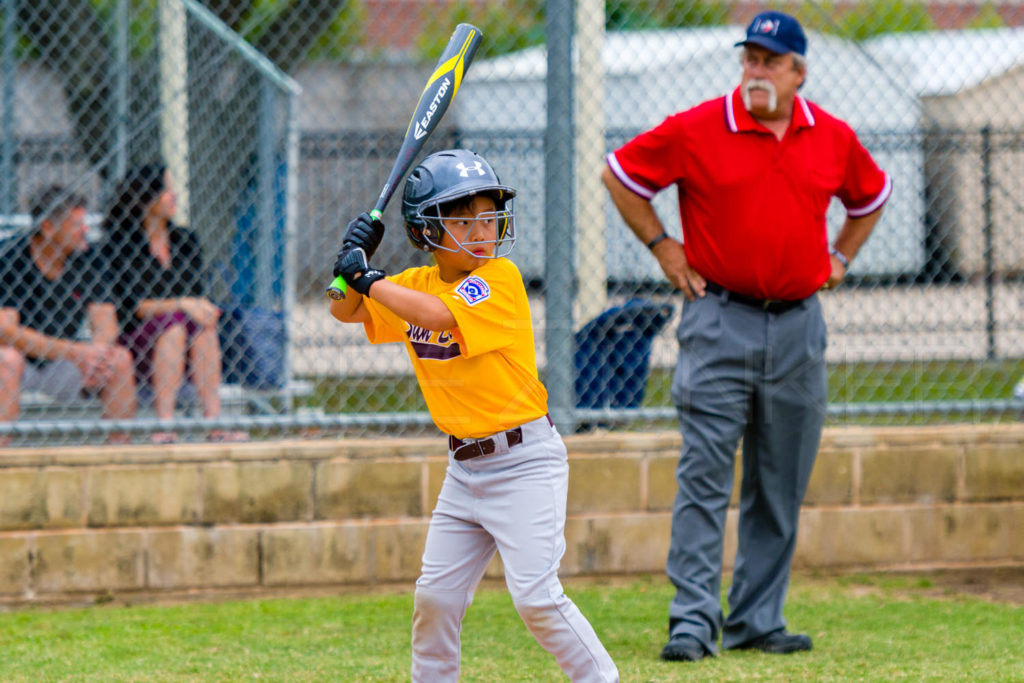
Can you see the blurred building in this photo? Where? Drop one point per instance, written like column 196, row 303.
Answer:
column 971, row 87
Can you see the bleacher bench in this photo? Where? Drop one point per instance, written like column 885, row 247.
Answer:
column 235, row 400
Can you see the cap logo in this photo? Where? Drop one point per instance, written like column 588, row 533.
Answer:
column 464, row 170
column 767, row 26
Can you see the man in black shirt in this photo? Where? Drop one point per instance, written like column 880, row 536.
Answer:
column 49, row 283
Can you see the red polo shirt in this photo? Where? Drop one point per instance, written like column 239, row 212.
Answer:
column 752, row 206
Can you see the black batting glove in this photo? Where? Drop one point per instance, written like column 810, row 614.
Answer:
column 365, row 233
column 356, row 270
column 362, row 283
column 339, row 260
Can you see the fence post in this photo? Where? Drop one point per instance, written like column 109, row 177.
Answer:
column 172, row 39
column 558, row 216
column 9, row 139
column 121, row 78
column 986, row 185
column 291, row 180
column 267, row 285
column 592, row 288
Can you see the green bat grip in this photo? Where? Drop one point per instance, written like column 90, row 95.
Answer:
column 338, row 287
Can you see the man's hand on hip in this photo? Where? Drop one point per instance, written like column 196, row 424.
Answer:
column 672, row 259
column 837, row 275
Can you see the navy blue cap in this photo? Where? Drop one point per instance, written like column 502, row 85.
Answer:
column 777, row 32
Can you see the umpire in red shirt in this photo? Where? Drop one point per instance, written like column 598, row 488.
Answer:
column 755, row 172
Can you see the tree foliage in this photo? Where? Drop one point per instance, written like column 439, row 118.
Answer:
column 627, row 15
column 507, row 25
column 511, row 25
column 885, row 16
column 987, row 17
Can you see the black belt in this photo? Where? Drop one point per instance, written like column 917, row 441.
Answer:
column 766, row 305
column 467, row 450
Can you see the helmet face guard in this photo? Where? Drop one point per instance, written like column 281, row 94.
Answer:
column 448, row 177
column 500, row 246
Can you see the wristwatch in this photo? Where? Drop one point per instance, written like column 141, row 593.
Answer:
column 658, row 239
column 840, row 256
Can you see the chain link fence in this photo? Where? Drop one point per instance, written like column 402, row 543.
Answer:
column 277, row 121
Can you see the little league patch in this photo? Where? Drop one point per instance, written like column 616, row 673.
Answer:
column 473, row 290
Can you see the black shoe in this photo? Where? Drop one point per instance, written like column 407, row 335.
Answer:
column 684, row 648
column 780, row 642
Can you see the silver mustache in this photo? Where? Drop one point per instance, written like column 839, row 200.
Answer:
column 759, row 84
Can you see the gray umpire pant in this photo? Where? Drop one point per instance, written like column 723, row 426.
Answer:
column 742, row 372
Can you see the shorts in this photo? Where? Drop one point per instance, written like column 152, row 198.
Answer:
column 142, row 339
column 59, row 379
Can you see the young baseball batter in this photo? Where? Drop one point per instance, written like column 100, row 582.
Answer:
column 466, row 325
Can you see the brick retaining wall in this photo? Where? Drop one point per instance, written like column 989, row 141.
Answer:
column 77, row 524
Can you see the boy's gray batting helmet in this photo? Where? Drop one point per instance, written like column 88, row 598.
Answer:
column 444, row 177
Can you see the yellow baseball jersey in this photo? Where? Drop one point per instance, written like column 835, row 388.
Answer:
column 481, row 377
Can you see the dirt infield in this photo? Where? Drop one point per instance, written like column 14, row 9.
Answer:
column 994, row 584
column 1003, row 584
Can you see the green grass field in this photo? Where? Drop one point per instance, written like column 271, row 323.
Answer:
column 865, row 628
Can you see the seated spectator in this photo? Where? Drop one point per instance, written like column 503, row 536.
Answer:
column 156, row 277
column 50, row 282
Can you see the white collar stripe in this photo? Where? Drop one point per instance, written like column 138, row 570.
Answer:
column 636, row 187
column 730, row 115
column 876, row 202
column 807, row 110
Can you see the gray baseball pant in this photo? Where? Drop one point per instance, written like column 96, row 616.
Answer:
column 742, row 372
column 512, row 502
